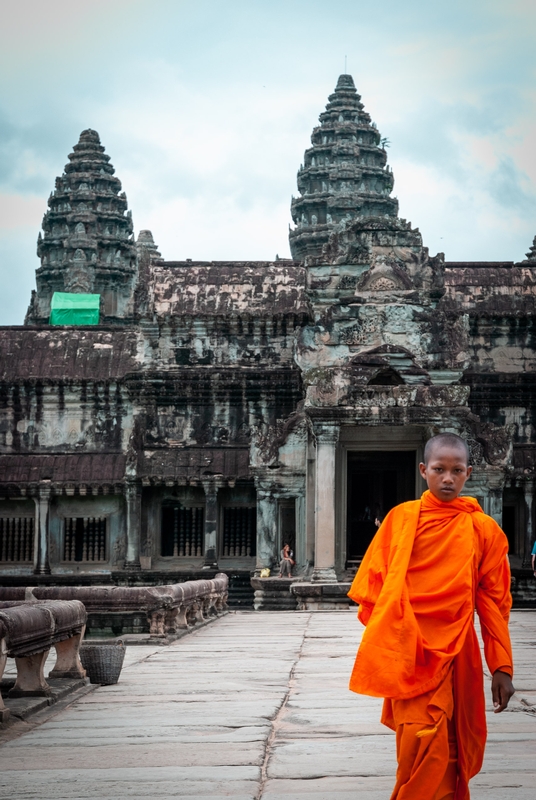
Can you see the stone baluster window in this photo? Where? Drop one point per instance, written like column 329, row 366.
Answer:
column 182, row 531
column 239, row 531
column 16, row 539
column 85, row 539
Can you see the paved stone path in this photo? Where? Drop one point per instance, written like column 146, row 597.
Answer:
column 254, row 706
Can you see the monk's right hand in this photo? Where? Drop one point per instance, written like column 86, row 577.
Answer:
column 502, row 690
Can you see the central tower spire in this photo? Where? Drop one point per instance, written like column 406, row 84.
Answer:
column 344, row 174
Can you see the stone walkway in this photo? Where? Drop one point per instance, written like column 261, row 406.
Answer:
column 253, row 706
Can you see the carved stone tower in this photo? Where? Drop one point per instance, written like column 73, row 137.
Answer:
column 344, row 175
column 88, row 244
column 531, row 255
column 146, row 248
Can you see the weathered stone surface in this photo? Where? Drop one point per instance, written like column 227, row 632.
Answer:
column 256, row 706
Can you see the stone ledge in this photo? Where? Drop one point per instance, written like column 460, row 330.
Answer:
column 20, row 708
column 321, row 596
column 273, row 594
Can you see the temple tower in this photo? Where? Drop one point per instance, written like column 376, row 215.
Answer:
column 87, row 244
column 531, row 255
column 146, row 248
column 344, row 175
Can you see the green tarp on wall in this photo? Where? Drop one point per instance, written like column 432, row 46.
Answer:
column 74, row 309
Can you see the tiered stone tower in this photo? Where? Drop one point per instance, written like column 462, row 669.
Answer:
column 88, row 243
column 344, row 175
column 531, row 255
column 146, row 248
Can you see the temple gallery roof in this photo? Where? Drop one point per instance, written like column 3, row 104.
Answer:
column 224, row 288
column 74, row 468
column 194, row 463
column 66, row 353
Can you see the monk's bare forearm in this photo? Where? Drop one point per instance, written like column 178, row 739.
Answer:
column 502, row 690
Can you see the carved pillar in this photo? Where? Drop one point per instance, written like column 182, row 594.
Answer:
column 42, row 508
column 529, row 499
column 326, row 448
column 211, row 525
column 493, row 504
column 266, row 530
column 133, row 499
column 310, row 505
column 301, row 542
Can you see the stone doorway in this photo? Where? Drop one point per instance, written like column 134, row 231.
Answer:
column 376, row 481
column 514, row 520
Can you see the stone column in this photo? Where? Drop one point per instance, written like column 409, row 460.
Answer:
column 493, row 504
column 529, row 499
column 211, row 525
column 301, row 543
column 133, row 499
column 42, row 509
column 266, row 530
column 310, row 505
column 327, row 436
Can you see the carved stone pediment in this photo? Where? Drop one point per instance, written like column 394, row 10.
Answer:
column 388, row 365
column 385, row 276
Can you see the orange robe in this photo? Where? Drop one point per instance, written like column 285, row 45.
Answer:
column 429, row 566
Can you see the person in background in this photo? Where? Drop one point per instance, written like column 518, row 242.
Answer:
column 286, row 563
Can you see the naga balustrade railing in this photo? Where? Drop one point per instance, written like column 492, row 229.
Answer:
column 28, row 629
column 170, row 609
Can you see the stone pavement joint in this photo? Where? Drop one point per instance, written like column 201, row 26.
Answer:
column 277, row 719
column 253, row 707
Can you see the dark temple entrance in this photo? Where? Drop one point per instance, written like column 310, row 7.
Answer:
column 376, row 482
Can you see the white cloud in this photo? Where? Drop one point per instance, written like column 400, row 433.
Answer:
column 17, row 211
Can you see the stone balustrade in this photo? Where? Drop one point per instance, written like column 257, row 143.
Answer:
column 169, row 609
column 28, row 629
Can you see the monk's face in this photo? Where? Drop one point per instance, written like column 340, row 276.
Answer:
column 446, row 471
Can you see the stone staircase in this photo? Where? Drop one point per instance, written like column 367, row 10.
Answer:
column 240, row 590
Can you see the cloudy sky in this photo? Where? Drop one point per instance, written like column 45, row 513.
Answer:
column 206, row 108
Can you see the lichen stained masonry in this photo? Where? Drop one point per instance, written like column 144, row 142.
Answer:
column 224, row 288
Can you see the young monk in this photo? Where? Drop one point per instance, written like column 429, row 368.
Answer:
column 431, row 563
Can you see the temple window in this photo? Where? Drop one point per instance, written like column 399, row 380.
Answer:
column 182, row 531
column 239, row 531
column 84, row 539
column 16, row 539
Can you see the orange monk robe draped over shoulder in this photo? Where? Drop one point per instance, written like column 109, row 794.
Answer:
column 430, row 564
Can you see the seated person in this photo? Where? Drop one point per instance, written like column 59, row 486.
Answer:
column 286, row 563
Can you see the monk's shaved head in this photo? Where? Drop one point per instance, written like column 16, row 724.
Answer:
column 450, row 440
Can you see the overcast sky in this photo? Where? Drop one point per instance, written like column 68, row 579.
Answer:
column 206, row 108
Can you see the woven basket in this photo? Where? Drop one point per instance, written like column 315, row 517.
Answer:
column 103, row 662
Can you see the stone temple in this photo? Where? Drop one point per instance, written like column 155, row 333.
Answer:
column 219, row 409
